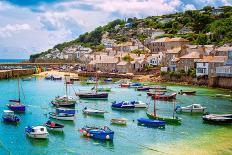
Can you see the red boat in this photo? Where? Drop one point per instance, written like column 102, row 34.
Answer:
column 165, row 96
column 125, row 85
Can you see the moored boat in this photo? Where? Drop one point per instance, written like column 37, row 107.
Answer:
column 135, row 85
column 74, row 79
column 125, row 85
column 118, row 121
column 187, row 92
column 194, row 108
column 63, row 104
column 53, row 126
column 124, row 105
column 165, row 96
column 218, row 118
column 139, row 104
column 108, row 80
column 56, row 78
column 168, row 120
column 92, row 95
column 38, row 132
column 158, row 87
column 155, row 93
column 62, row 116
column 66, row 111
column 95, row 112
column 102, row 133
column 143, row 88
column 104, row 89
column 9, row 116
column 149, row 122
column 16, row 105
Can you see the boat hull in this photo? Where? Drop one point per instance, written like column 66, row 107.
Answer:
column 64, row 117
column 149, row 122
column 37, row 136
column 93, row 96
column 63, row 104
column 118, row 121
column 218, row 119
column 20, row 108
column 173, row 121
column 10, row 120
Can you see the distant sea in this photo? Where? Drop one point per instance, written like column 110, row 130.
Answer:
column 12, row 60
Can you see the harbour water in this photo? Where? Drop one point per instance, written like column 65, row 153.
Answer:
column 192, row 135
column 12, row 60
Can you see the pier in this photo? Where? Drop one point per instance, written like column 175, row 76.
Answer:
column 6, row 74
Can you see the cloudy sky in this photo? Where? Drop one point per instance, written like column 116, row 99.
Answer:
column 31, row 26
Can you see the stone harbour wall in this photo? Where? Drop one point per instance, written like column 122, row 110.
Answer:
column 6, row 74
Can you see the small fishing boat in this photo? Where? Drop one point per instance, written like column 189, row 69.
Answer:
column 74, row 79
column 53, row 126
column 194, row 108
column 169, row 120
column 108, row 80
column 63, row 104
column 66, row 111
column 124, row 105
column 165, row 96
column 155, row 93
column 49, row 77
column 92, row 95
column 65, row 98
column 143, row 88
column 69, row 82
column 223, row 95
column 95, row 112
column 62, row 116
column 125, row 85
column 9, row 116
column 104, row 89
column 158, row 87
column 187, row 92
column 149, row 122
column 56, row 78
column 38, row 132
column 218, row 118
column 102, row 133
column 16, row 105
column 135, row 85
column 139, row 104
column 118, row 121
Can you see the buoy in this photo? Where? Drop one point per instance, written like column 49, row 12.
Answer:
column 84, row 133
column 107, row 137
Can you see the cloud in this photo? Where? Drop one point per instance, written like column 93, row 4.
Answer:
column 9, row 29
column 189, row 7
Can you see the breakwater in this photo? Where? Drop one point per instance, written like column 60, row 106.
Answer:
column 6, row 74
column 107, row 75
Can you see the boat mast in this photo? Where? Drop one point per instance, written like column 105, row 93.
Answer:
column 18, row 90
column 154, row 107
column 96, row 83
column 66, row 88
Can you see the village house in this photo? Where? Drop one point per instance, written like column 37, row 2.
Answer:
column 217, row 11
column 226, row 70
column 163, row 44
column 222, row 51
column 187, row 61
column 155, row 59
column 207, row 65
column 165, row 20
column 185, row 30
column 124, row 67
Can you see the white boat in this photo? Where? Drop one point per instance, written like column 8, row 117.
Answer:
column 140, row 104
column 62, row 116
column 65, row 98
column 119, row 121
column 39, row 132
column 194, row 108
column 93, row 112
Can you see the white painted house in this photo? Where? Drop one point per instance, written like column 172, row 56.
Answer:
column 155, row 59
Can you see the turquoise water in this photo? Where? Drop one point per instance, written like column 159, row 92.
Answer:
column 12, row 60
column 131, row 139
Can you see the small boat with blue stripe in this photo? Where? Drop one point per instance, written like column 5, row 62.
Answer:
column 9, row 116
column 149, row 122
column 124, row 105
column 102, row 133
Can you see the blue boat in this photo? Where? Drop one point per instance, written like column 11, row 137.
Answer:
column 124, row 105
column 102, row 133
column 108, row 80
column 149, row 122
column 49, row 77
column 135, row 85
column 9, row 116
column 65, row 111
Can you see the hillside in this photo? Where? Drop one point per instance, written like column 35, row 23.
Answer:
column 206, row 26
